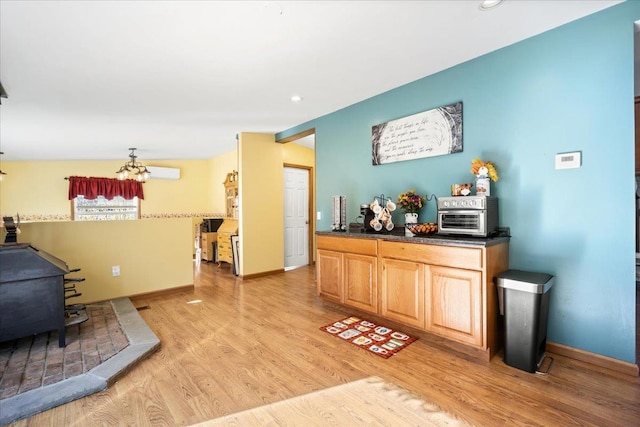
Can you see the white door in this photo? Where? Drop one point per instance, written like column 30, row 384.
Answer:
column 296, row 217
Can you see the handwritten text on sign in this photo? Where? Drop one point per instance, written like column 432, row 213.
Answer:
column 431, row 133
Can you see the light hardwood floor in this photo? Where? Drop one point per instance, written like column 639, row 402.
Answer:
column 257, row 341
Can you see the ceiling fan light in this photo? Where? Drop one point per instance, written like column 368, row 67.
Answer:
column 140, row 170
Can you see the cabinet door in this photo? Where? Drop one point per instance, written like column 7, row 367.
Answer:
column 361, row 282
column 402, row 291
column 454, row 303
column 329, row 270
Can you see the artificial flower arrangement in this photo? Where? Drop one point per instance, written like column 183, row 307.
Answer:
column 483, row 169
column 410, row 202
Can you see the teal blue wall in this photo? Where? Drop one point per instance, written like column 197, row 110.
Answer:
column 569, row 89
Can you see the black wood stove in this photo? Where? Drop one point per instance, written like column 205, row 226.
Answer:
column 32, row 292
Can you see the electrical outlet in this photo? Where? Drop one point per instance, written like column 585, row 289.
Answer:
column 115, row 270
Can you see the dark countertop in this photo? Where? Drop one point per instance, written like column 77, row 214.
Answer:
column 432, row 239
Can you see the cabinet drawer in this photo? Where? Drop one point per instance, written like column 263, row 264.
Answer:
column 343, row 244
column 225, row 255
column 450, row 256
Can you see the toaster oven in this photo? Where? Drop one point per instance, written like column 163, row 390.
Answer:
column 468, row 215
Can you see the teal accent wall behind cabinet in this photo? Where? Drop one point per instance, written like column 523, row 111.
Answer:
column 569, row 89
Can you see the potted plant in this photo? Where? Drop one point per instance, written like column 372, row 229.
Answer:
column 410, row 203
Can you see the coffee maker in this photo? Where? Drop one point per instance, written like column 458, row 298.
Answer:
column 366, row 214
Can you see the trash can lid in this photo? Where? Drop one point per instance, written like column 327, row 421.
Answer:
column 526, row 281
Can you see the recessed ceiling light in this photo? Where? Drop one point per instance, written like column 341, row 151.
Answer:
column 296, row 98
column 489, row 4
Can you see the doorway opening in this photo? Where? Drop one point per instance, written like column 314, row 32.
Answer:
column 296, row 217
column 299, row 201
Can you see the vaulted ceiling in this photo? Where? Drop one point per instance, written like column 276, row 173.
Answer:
column 179, row 79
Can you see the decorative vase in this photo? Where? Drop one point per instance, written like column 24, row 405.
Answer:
column 483, row 187
column 410, row 218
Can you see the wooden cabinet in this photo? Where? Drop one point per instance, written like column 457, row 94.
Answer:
column 207, row 250
column 443, row 289
column 402, row 291
column 460, row 297
column 347, row 271
column 228, row 228
column 454, row 303
column 231, row 195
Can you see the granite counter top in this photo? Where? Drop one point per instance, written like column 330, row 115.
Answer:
column 432, row 239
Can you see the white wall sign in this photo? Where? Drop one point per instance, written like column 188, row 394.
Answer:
column 431, row 133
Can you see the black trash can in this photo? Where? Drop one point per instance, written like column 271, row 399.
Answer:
column 524, row 301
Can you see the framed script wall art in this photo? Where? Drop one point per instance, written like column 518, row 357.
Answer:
column 431, row 133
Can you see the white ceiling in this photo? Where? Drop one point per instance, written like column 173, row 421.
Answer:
column 178, row 80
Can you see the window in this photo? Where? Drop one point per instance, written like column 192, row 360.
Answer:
column 102, row 209
column 104, row 199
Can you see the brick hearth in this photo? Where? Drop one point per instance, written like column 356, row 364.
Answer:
column 32, row 362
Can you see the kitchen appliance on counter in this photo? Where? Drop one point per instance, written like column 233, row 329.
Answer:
column 468, row 215
column 376, row 216
column 366, row 216
column 363, row 221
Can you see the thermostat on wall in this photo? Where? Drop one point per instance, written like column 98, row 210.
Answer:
column 569, row 160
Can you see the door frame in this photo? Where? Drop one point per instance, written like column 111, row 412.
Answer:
column 310, row 206
column 312, row 198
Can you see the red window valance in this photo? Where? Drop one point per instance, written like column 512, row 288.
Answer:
column 91, row 188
